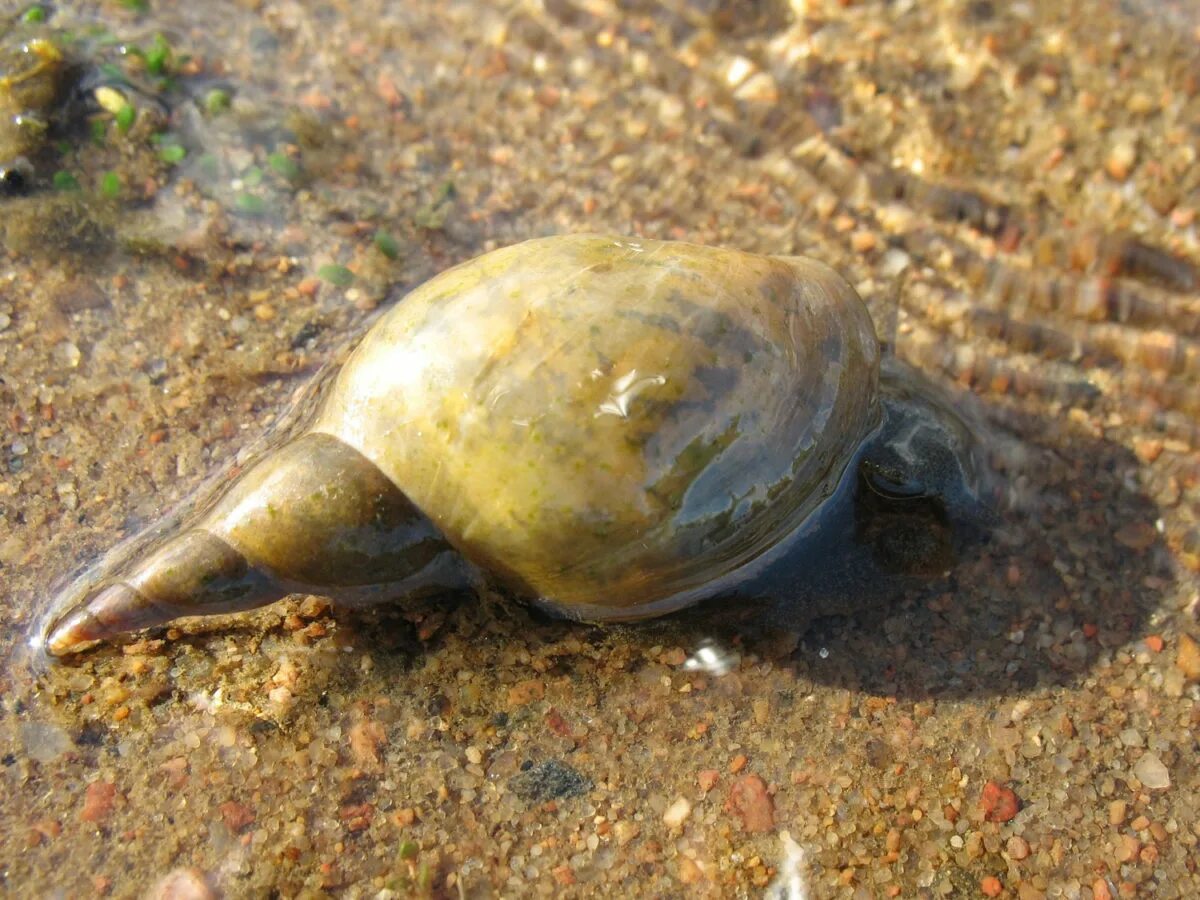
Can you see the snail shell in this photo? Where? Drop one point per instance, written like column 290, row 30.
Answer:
column 616, row 427
column 32, row 83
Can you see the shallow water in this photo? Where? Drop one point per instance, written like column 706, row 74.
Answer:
column 1024, row 182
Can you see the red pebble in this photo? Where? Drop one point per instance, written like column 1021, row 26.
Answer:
column 999, row 803
column 750, row 802
column 236, row 815
column 98, row 801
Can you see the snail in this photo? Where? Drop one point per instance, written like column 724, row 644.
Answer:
column 33, row 76
column 616, row 428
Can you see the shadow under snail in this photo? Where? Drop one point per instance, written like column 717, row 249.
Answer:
column 615, row 428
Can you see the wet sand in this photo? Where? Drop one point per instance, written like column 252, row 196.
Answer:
column 1022, row 183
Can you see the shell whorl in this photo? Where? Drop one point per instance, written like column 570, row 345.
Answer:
column 312, row 514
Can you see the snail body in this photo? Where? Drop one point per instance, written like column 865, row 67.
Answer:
column 614, row 427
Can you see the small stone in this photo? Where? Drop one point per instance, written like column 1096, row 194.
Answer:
column 42, row 830
column 1151, row 772
column 676, row 656
column 1131, row 737
column 280, row 696
column 98, row 801
column 863, row 241
column 1017, row 848
column 1122, row 156
column 1116, row 812
column 1155, row 643
column 1127, row 848
column 236, row 815
column 1141, row 103
column 366, row 737
column 550, row 780
column 708, row 779
column 1000, row 804
column 625, row 831
column 1100, row 890
column 762, row 710
column 1187, row 657
column 182, row 884
column 1137, row 536
column 750, row 802
column 525, row 692
column 689, row 872
column 67, row 354
column 1148, row 449
column 677, row 813
column 45, row 741
column 991, row 886
column 356, row 816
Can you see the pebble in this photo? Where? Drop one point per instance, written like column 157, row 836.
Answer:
column 1127, row 848
column 67, row 354
column 98, row 801
column 45, row 741
column 182, row 884
column 1116, row 812
column 991, row 886
column 176, row 771
column 677, row 813
column 236, row 816
column 550, row 780
column 625, row 831
column 863, row 241
column 281, row 696
column 1137, row 536
column 750, row 802
column 1148, row 449
column 1131, row 737
column 366, row 737
column 525, row 692
column 1187, row 657
column 1017, row 848
column 1122, row 156
column 689, row 872
column 356, row 816
column 999, row 803
column 1151, row 772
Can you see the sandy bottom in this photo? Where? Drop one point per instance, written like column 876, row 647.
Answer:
column 1013, row 191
